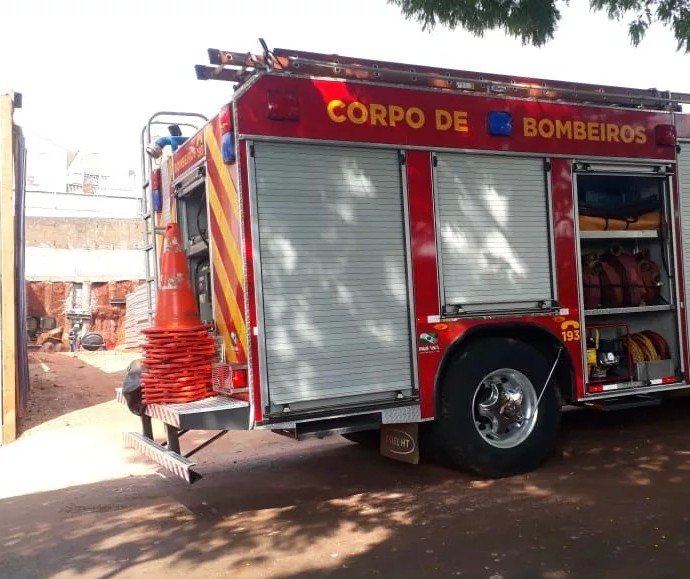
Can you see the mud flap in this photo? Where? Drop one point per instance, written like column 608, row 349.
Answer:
column 400, row 442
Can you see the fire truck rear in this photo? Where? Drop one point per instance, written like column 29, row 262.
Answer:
column 412, row 256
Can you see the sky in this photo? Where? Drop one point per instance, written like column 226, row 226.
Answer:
column 92, row 72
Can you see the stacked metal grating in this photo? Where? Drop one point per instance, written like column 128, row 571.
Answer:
column 137, row 316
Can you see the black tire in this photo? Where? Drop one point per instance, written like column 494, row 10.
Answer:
column 455, row 435
column 365, row 438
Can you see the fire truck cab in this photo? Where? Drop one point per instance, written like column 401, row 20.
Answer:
column 425, row 257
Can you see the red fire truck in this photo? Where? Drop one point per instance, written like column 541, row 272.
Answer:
column 425, row 257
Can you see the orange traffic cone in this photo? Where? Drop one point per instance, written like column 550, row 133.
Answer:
column 175, row 305
column 179, row 351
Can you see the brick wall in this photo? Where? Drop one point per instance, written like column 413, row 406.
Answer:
column 104, row 313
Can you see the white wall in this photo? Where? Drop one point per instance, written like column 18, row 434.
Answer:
column 44, row 263
column 45, row 204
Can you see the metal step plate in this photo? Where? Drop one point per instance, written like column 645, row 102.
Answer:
column 215, row 413
column 173, row 462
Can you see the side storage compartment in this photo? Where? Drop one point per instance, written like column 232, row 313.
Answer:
column 493, row 230
column 628, row 279
column 331, row 253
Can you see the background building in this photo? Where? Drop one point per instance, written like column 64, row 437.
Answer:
column 83, row 240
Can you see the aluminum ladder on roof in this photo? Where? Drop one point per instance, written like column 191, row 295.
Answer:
column 238, row 66
column 163, row 118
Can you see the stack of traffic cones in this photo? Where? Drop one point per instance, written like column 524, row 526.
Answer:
column 179, row 350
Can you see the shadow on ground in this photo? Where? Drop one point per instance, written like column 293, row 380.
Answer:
column 612, row 504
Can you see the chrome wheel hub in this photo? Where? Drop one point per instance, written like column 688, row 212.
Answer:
column 504, row 408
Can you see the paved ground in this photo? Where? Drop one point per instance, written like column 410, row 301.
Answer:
column 614, row 502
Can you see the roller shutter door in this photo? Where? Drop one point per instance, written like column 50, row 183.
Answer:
column 684, row 187
column 494, row 230
column 333, row 273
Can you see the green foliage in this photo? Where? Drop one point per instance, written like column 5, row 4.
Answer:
column 535, row 21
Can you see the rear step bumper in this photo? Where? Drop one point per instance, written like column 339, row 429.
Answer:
column 215, row 413
column 171, row 461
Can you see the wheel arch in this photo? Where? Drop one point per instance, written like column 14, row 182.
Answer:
column 537, row 336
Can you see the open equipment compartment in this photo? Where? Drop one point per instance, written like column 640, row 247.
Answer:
column 628, row 279
column 192, row 206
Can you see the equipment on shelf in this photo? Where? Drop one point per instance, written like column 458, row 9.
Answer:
column 648, row 346
column 620, row 356
column 604, row 211
column 616, row 279
column 628, row 270
column 651, row 277
column 608, row 360
column 651, row 356
column 651, row 220
column 591, row 281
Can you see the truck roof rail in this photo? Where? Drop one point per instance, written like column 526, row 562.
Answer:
column 237, row 67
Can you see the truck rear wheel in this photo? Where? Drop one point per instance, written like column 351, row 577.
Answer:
column 490, row 421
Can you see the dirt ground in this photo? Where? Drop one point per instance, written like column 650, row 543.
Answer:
column 65, row 382
column 75, row 503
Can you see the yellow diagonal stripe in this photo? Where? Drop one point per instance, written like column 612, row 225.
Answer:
column 235, row 313
column 223, row 327
column 231, row 194
column 214, row 150
column 226, row 234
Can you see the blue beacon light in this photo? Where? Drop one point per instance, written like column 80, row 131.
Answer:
column 499, row 123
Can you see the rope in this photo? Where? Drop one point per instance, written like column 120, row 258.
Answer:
column 635, row 351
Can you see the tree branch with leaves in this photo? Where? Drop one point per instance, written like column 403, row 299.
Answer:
column 535, row 21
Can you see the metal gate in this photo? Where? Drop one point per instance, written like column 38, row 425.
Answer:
column 334, row 283
column 493, row 228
